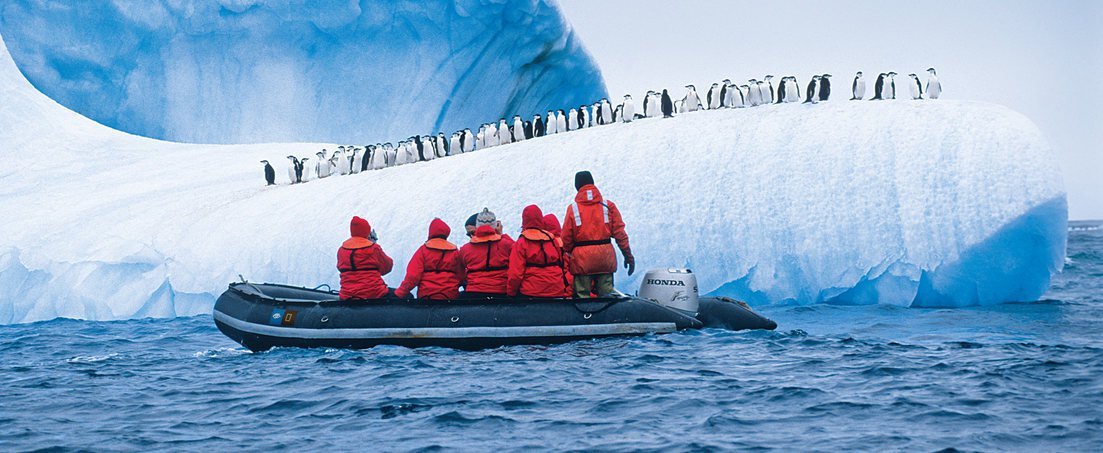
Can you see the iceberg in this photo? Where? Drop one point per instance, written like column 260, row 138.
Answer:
column 253, row 71
column 913, row 203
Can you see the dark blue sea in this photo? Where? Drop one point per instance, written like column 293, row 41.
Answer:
column 1016, row 377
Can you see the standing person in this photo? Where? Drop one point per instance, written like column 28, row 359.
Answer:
column 486, row 257
column 436, row 269
column 588, row 229
column 535, row 263
column 362, row 263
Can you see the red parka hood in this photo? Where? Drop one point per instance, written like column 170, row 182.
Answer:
column 532, row 217
column 360, row 228
column 588, row 194
column 551, row 223
column 439, row 229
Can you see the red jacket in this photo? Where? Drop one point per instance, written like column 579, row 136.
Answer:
column 536, row 262
column 587, row 233
column 362, row 264
column 551, row 223
column 436, row 268
column 486, row 261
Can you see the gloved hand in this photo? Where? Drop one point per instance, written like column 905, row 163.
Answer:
column 629, row 263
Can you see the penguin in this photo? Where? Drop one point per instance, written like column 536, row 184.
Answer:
column 469, row 140
column 725, row 95
column 691, row 101
column 916, row 87
column 322, row 166
column 337, row 161
column 825, row 87
column 618, row 113
column 646, row 106
column 357, row 160
column 583, row 116
column 736, row 94
column 781, row 90
column 812, row 93
column 561, row 122
column 628, row 110
column 890, row 85
column 529, row 132
column 372, row 157
column 269, row 173
column 607, row 111
column 294, row 173
column 490, row 138
column 572, row 120
column 768, row 79
column 505, row 133
column 793, row 92
column 713, row 97
column 599, row 114
column 668, row 104
column 878, row 88
column 304, row 170
column 934, row 87
column 365, row 161
column 443, row 150
column 454, row 144
column 538, row 126
column 764, row 96
column 551, row 127
column 858, row 87
column 518, row 129
column 754, row 95
column 394, row 155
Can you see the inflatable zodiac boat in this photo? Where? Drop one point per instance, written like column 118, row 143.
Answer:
column 263, row 316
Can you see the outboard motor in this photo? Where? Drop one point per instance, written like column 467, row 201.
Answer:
column 672, row 288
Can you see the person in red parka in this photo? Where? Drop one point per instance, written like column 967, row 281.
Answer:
column 436, row 268
column 588, row 229
column 362, row 264
column 536, row 263
column 551, row 223
column 486, row 257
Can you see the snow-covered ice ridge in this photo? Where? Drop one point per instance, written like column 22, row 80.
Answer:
column 916, row 203
column 251, row 71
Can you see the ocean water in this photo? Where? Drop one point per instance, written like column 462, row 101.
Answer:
column 1025, row 376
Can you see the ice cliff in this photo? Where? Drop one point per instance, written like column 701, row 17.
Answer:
column 251, row 71
column 915, row 203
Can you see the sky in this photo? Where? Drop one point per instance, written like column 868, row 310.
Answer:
column 1043, row 59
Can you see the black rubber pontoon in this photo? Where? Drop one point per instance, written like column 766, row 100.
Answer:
column 263, row 316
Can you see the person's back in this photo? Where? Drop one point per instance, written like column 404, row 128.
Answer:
column 362, row 264
column 552, row 225
column 589, row 227
column 486, row 257
column 435, row 269
column 536, row 262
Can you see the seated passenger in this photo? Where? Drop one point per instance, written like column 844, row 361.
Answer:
column 486, row 257
column 436, row 269
column 469, row 225
column 536, row 263
column 362, row 264
column 551, row 223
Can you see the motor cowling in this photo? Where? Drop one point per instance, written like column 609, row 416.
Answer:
column 673, row 288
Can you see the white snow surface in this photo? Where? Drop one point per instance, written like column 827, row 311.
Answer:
column 915, row 203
